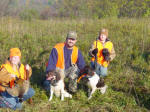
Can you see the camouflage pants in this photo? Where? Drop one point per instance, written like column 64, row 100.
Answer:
column 72, row 75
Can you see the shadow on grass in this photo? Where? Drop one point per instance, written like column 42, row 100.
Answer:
column 140, row 94
column 146, row 56
column 38, row 70
column 38, row 76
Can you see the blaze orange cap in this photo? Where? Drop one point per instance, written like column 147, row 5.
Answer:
column 15, row 52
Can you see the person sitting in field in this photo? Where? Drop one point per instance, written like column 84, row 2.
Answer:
column 66, row 56
column 102, row 52
column 10, row 73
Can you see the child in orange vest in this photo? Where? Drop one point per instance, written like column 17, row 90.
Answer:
column 9, row 72
column 102, row 52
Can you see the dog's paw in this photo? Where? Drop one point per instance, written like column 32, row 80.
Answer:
column 62, row 99
column 50, row 99
column 89, row 97
column 103, row 89
column 70, row 96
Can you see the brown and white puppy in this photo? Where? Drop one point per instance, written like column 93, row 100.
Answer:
column 93, row 81
column 57, row 85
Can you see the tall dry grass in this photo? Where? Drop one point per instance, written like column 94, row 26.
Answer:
column 129, row 73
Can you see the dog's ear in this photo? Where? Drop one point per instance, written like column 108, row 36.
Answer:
column 87, row 70
column 105, row 52
column 57, row 74
column 100, row 83
column 51, row 73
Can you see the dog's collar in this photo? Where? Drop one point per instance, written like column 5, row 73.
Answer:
column 81, row 77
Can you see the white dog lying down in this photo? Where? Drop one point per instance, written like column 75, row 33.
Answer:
column 57, row 85
column 93, row 81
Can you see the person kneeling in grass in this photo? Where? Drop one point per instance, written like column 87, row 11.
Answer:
column 102, row 52
column 68, row 57
column 11, row 93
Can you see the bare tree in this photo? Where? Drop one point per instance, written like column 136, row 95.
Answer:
column 4, row 4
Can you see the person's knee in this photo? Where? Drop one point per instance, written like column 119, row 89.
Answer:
column 31, row 92
column 103, row 72
column 17, row 106
column 10, row 103
column 28, row 95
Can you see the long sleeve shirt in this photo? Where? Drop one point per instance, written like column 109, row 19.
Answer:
column 67, row 57
column 5, row 77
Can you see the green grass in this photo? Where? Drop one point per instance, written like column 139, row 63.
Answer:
column 129, row 73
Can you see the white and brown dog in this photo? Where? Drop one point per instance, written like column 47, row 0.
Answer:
column 93, row 81
column 57, row 84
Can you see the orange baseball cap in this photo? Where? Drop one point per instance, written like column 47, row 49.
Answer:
column 15, row 52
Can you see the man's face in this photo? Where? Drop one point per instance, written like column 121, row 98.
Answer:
column 70, row 42
column 15, row 60
column 102, row 37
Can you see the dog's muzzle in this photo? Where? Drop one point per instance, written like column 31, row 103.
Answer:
column 53, row 82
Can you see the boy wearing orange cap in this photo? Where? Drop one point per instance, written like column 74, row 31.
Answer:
column 11, row 71
column 102, row 52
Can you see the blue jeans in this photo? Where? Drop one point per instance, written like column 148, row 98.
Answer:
column 8, row 101
column 100, row 70
column 46, row 85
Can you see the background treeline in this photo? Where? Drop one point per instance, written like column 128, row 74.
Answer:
column 45, row 9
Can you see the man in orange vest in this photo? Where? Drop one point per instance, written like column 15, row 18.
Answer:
column 102, row 52
column 66, row 56
column 10, row 72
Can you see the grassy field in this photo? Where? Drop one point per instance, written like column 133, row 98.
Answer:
column 128, row 77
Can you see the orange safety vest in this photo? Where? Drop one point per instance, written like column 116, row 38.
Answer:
column 100, row 58
column 60, row 50
column 20, row 74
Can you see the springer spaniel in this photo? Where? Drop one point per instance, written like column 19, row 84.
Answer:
column 93, row 81
column 56, row 78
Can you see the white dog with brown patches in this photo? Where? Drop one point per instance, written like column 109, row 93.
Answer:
column 93, row 81
column 96, row 83
column 57, row 85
